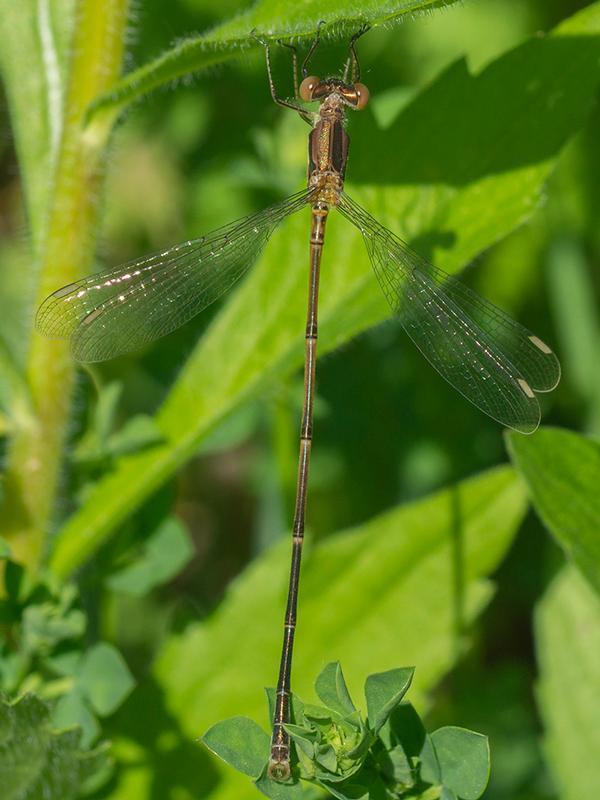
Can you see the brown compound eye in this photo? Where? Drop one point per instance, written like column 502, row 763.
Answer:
column 307, row 87
column 362, row 95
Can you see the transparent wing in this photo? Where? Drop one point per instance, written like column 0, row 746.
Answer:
column 114, row 312
column 490, row 358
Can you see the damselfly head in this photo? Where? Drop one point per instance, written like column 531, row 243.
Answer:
column 355, row 95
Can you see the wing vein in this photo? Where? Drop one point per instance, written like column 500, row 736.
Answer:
column 490, row 358
column 111, row 313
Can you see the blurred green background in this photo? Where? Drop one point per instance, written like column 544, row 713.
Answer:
column 388, row 430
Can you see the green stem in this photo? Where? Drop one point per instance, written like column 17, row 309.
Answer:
column 35, row 452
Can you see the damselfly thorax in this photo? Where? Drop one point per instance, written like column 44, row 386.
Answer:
column 328, row 141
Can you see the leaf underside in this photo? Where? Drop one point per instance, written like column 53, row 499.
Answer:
column 269, row 19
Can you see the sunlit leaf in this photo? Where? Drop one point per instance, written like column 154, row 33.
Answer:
column 403, row 558
column 463, row 165
column 561, row 469
column 568, row 648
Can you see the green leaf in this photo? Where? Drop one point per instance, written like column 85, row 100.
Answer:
column 34, row 47
column 105, row 411
column 405, row 727
column 447, row 794
column 398, row 768
column 349, row 791
column 16, row 581
column 92, row 444
column 464, row 759
column 241, row 743
column 567, row 627
column 406, row 744
column 100, row 442
column 273, row 21
column 326, row 757
column 138, row 432
column 404, row 559
column 561, row 469
column 64, row 169
column 71, row 710
column 13, row 669
column 47, row 624
column 15, row 398
column 318, row 713
column 64, row 663
column 576, row 316
column 303, row 738
column 5, row 551
column 165, row 554
column 105, row 678
column 283, row 791
column 429, row 766
column 495, row 135
column 383, row 692
column 431, row 793
column 37, row 762
column 332, row 690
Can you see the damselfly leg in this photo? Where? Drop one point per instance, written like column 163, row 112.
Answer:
column 353, row 64
column 281, row 101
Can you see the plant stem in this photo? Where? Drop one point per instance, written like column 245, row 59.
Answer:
column 35, row 453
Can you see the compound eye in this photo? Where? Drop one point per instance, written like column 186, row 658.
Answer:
column 362, row 95
column 307, row 87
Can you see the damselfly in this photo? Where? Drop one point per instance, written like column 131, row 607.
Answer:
column 492, row 360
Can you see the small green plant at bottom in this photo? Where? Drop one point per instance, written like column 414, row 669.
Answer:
column 387, row 755
column 37, row 761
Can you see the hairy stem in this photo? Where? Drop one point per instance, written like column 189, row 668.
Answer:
column 35, row 453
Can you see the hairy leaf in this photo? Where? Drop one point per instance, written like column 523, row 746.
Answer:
column 272, row 20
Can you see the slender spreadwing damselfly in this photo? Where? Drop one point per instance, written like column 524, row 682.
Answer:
column 492, row 360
